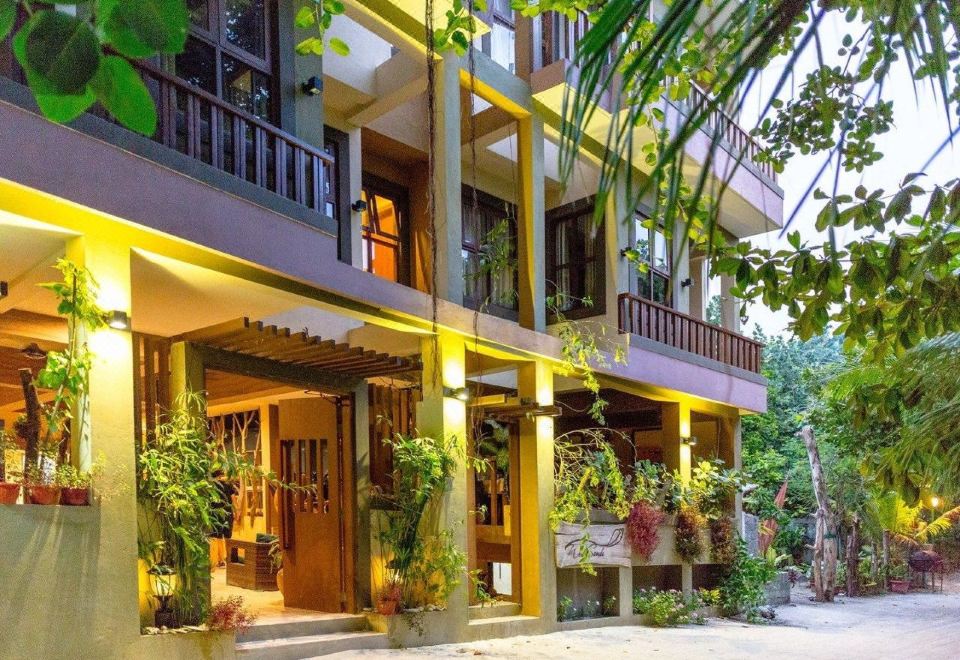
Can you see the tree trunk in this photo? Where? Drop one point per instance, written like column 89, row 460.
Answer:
column 886, row 559
column 853, row 558
column 30, row 429
column 825, row 546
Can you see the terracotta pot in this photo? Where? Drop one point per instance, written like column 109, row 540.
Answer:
column 75, row 496
column 899, row 586
column 280, row 581
column 9, row 492
column 387, row 606
column 46, row 495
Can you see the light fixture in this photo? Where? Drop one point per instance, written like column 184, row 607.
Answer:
column 690, row 440
column 313, row 86
column 359, row 206
column 163, row 583
column 687, row 282
column 4, row 289
column 458, row 393
column 118, row 320
column 34, row 352
column 934, row 502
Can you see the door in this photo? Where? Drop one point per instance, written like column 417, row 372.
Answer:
column 312, row 522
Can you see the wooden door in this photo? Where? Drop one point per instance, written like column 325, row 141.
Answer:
column 311, row 456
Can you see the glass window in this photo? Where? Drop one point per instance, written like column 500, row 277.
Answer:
column 496, row 290
column 503, row 46
column 199, row 13
column 382, row 228
column 575, row 264
column 245, row 25
column 246, row 88
column 653, row 247
column 197, row 65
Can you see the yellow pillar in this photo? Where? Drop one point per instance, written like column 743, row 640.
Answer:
column 678, row 456
column 439, row 416
column 539, row 581
column 110, row 432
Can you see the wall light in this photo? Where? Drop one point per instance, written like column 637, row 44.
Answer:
column 34, row 352
column 934, row 502
column 359, row 206
column 4, row 289
column 163, row 583
column 313, row 86
column 458, row 393
column 687, row 282
column 118, row 320
column 690, row 440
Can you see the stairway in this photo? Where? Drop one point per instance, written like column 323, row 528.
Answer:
column 296, row 640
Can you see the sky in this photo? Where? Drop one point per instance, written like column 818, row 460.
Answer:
column 919, row 129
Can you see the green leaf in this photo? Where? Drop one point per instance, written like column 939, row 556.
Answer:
column 8, row 16
column 62, row 50
column 120, row 89
column 305, row 17
column 310, row 46
column 140, row 28
column 339, row 46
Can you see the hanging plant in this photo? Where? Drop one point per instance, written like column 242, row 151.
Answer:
column 688, row 543
column 643, row 526
column 723, row 546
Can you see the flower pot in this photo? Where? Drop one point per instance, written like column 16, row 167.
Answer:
column 387, row 606
column 280, row 581
column 45, row 495
column 9, row 492
column 899, row 586
column 75, row 496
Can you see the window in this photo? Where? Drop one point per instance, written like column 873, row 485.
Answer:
column 384, row 229
column 500, row 42
column 392, row 411
column 654, row 249
column 228, row 53
column 492, row 220
column 575, row 260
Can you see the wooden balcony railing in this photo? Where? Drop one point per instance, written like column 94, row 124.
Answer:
column 646, row 318
column 206, row 128
column 560, row 36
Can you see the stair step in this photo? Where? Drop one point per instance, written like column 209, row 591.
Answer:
column 311, row 646
column 305, row 627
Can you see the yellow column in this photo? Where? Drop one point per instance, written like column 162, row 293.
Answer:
column 110, row 432
column 441, row 416
column 539, row 582
column 678, row 456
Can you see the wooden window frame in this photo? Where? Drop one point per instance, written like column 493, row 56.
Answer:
column 652, row 270
column 400, row 196
column 571, row 213
column 493, row 205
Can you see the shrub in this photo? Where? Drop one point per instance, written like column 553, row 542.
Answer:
column 689, row 544
column 742, row 589
column 665, row 608
column 708, row 597
column 723, row 547
column 230, row 614
column 565, row 609
column 643, row 529
column 610, row 606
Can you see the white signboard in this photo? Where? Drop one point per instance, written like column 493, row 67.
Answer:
column 606, row 544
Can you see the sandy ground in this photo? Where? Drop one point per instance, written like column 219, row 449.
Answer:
column 916, row 625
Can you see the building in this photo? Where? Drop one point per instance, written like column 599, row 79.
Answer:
column 271, row 247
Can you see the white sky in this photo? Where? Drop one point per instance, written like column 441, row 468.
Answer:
column 920, row 128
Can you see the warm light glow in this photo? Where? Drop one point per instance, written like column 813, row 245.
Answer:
column 108, row 345
column 935, row 502
column 162, row 584
column 685, row 463
column 118, row 320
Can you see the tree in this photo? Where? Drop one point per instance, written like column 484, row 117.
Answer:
column 825, row 545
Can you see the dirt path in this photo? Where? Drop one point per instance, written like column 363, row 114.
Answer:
column 900, row 627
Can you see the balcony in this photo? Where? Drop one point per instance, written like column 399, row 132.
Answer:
column 661, row 324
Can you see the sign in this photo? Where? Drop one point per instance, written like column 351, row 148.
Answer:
column 606, row 544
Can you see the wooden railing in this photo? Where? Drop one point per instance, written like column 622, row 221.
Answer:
column 646, row 318
column 560, row 36
column 208, row 129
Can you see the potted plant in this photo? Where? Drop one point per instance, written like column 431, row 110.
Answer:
column 276, row 560
column 9, row 490
column 75, row 484
column 388, row 600
column 899, row 584
column 39, row 480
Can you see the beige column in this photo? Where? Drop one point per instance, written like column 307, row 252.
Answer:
column 729, row 305
column 531, row 240
column 678, row 456
column 439, row 416
column 447, row 180
column 700, row 288
column 113, row 590
column 616, row 237
column 361, row 437
column 539, row 584
column 681, row 271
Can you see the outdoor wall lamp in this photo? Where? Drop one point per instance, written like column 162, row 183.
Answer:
column 163, row 583
column 458, row 393
column 118, row 320
column 4, row 289
column 359, row 206
column 686, row 282
column 34, row 352
column 689, row 440
column 313, row 86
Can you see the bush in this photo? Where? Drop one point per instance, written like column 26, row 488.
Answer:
column 643, row 529
column 723, row 546
column 743, row 588
column 230, row 614
column 688, row 543
column 566, row 611
column 665, row 608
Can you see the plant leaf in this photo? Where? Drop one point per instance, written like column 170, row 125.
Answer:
column 120, row 89
column 61, row 49
column 339, row 46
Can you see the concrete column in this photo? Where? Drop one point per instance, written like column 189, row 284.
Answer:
column 678, row 456
column 681, row 271
column 618, row 270
column 731, row 453
column 529, row 55
column 447, row 180
column 531, row 248
column 444, row 365
column 729, row 306
column 539, row 585
column 700, row 288
column 356, row 187
column 113, row 600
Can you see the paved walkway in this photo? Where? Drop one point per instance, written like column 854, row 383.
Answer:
column 916, row 625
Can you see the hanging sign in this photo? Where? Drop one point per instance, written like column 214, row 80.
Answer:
column 606, row 544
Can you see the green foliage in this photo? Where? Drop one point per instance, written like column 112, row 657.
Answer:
column 318, row 15
column 566, row 611
column 666, row 608
column 687, row 539
column 742, row 590
column 68, row 476
column 723, row 541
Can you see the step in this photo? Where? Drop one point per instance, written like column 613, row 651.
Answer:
column 493, row 610
column 311, row 646
column 304, row 627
